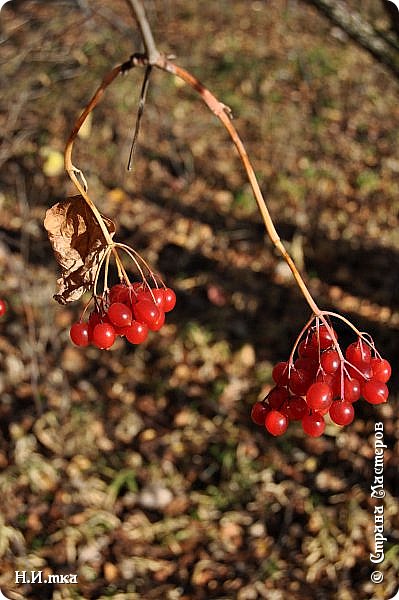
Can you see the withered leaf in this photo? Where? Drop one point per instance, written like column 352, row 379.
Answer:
column 78, row 245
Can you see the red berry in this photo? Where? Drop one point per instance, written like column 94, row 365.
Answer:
column 277, row 396
column 280, row 373
column 381, row 369
column 358, row 353
column 119, row 293
column 276, row 423
column 306, row 364
column 351, row 389
column 319, row 396
column 156, row 295
column 300, row 381
column 327, row 378
column 159, row 323
column 342, row 412
column 103, row 335
column 313, row 424
column 79, row 334
column 136, row 333
column 307, row 350
column 322, row 338
column 146, row 312
column 169, row 299
column 119, row 314
column 374, row 391
column 297, row 408
column 259, row 412
column 330, row 361
column 3, row 307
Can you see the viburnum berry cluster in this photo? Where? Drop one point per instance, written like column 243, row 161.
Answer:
column 125, row 310
column 320, row 380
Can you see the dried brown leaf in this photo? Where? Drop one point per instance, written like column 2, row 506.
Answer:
column 78, row 244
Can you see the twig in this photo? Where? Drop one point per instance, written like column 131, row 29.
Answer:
column 137, row 9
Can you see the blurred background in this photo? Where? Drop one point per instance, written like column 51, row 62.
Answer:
column 139, row 469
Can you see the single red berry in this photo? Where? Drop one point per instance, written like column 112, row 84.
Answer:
column 3, row 307
column 313, row 424
column 358, row 353
column 327, row 378
column 259, row 412
column 307, row 350
column 94, row 319
column 276, row 423
column 319, row 396
column 280, row 373
column 330, row 361
column 146, row 312
column 159, row 323
column 300, row 381
column 375, row 392
column 322, row 338
column 342, row 412
column 136, row 333
column 381, row 369
column 307, row 364
column 156, row 295
column 119, row 293
column 103, row 335
column 79, row 334
column 277, row 396
column 169, row 299
column 119, row 314
column 351, row 389
column 297, row 408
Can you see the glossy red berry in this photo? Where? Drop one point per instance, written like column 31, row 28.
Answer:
column 297, row 408
column 313, row 424
column 307, row 350
column 322, row 338
column 136, row 333
column 3, row 307
column 280, row 373
column 342, row 412
column 381, row 369
column 351, row 389
column 119, row 293
column 159, row 323
column 156, row 295
column 277, row 396
column 169, row 299
column 79, row 334
column 358, row 353
column 103, row 335
column 330, row 361
column 300, row 381
column 319, row 396
column 259, row 412
column 276, row 422
column 375, row 392
column 119, row 314
column 146, row 312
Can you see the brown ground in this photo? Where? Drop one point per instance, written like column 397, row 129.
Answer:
column 139, row 470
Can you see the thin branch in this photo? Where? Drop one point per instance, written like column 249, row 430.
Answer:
column 360, row 31
column 137, row 9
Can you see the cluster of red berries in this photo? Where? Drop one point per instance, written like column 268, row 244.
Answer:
column 124, row 310
column 322, row 380
column 3, row 307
